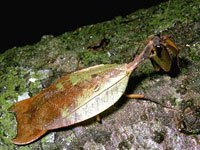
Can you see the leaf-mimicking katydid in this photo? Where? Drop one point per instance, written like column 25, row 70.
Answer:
column 85, row 93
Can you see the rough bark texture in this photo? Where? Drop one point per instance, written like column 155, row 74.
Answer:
column 129, row 124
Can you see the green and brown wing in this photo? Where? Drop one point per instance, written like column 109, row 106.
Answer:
column 73, row 98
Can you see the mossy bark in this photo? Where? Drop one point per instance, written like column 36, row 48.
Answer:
column 129, row 123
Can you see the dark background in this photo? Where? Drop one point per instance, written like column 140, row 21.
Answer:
column 25, row 23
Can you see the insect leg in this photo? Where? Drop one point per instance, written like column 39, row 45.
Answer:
column 135, row 96
column 98, row 119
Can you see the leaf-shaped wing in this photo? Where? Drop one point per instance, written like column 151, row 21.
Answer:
column 73, row 98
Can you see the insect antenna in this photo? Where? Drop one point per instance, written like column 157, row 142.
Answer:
column 156, row 102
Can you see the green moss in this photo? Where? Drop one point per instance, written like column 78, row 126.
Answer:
column 24, row 148
column 165, row 16
column 34, row 88
column 121, row 32
column 92, row 58
column 194, row 52
column 34, row 83
column 12, row 84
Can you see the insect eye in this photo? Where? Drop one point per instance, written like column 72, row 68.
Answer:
column 158, row 51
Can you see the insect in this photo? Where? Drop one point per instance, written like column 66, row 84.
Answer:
column 82, row 94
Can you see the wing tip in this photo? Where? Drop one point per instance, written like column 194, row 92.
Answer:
column 23, row 140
